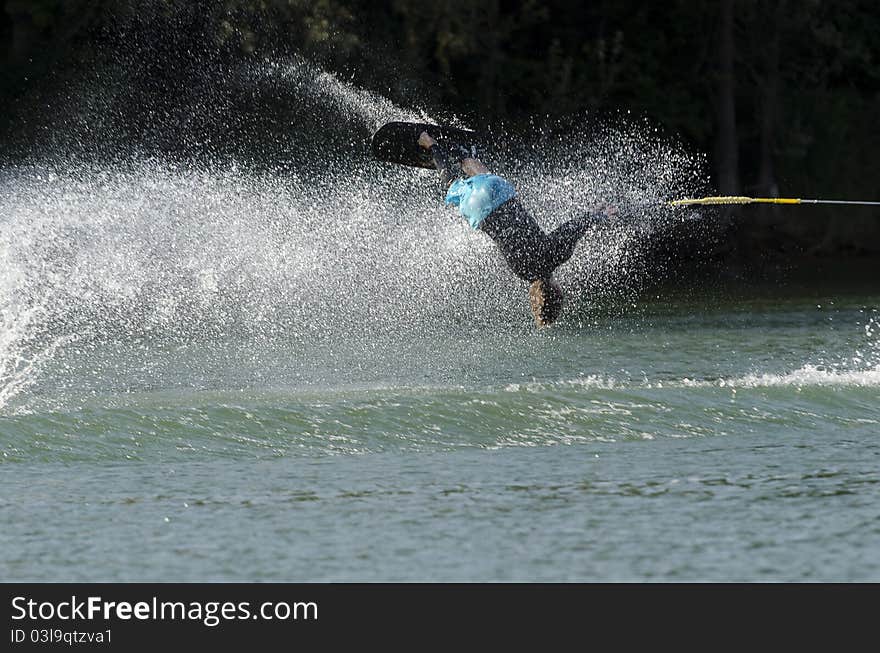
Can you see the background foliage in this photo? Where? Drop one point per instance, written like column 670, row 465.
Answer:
column 783, row 95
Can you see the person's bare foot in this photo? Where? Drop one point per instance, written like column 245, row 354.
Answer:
column 426, row 141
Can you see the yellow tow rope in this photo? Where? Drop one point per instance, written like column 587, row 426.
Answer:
column 735, row 199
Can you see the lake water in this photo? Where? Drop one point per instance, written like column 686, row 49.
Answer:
column 697, row 441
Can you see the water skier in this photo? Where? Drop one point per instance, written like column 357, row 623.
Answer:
column 489, row 203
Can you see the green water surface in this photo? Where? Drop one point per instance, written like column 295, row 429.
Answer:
column 680, row 440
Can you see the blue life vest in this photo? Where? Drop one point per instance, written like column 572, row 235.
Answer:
column 477, row 196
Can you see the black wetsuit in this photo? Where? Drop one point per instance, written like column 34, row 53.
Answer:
column 530, row 252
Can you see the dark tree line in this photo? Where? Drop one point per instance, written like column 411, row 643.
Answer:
column 783, row 95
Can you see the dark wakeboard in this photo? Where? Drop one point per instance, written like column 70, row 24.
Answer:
column 398, row 142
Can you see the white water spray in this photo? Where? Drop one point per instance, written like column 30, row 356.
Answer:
column 147, row 248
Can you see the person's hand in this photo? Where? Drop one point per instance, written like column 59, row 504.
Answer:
column 426, row 141
column 609, row 210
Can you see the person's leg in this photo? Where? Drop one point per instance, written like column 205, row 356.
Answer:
column 442, row 163
column 473, row 167
column 562, row 240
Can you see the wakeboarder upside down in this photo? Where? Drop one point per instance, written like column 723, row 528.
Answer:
column 489, row 203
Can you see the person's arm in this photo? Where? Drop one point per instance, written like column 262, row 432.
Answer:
column 441, row 161
column 600, row 214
